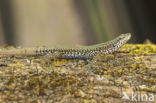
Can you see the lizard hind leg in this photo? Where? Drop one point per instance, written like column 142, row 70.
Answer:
column 53, row 55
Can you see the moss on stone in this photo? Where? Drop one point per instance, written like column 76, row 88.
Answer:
column 36, row 79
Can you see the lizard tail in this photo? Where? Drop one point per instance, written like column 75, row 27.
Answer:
column 13, row 51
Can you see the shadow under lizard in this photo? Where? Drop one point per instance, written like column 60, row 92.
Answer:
column 83, row 52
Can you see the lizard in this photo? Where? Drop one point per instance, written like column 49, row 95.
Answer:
column 83, row 52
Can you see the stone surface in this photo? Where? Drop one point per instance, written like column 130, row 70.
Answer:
column 103, row 79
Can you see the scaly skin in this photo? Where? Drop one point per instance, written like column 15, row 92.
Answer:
column 87, row 51
column 83, row 52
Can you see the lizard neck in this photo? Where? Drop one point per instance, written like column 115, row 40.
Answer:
column 113, row 45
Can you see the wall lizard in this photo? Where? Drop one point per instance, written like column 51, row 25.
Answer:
column 83, row 52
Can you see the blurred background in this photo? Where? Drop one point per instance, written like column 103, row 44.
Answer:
column 75, row 22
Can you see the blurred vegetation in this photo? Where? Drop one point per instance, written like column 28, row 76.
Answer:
column 74, row 22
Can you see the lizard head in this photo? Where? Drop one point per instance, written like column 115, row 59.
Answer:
column 118, row 42
column 123, row 38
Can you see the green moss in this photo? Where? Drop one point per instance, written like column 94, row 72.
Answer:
column 139, row 49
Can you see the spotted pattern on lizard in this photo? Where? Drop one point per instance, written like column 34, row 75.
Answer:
column 83, row 52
